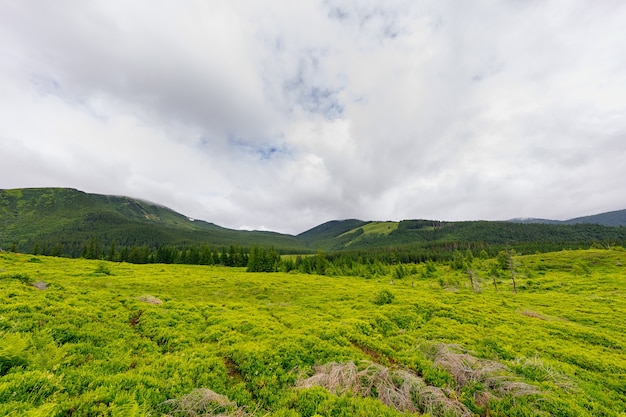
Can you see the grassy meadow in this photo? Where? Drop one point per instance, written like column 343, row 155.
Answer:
column 93, row 338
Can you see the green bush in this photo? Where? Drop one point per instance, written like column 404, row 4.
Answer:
column 103, row 268
column 384, row 297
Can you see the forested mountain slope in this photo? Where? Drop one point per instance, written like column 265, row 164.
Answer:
column 51, row 216
column 40, row 219
column 434, row 234
column 611, row 218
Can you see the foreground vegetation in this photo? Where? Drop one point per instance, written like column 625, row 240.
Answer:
column 89, row 338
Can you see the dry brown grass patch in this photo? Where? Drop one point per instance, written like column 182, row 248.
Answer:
column 401, row 389
column 406, row 391
column 533, row 314
column 203, row 402
column 150, row 300
column 467, row 369
column 40, row 285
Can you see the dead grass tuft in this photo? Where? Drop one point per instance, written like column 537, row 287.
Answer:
column 437, row 402
column 482, row 398
column 533, row 314
column 40, row 285
column 150, row 300
column 203, row 402
column 467, row 369
column 407, row 392
column 335, row 377
column 400, row 389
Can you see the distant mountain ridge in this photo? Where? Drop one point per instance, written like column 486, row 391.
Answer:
column 46, row 217
column 610, row 218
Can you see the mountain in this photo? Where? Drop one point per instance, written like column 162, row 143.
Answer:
column 43, row 218
column 328, row 233
column 420, row 235
column 49, row 216
column 611, row 218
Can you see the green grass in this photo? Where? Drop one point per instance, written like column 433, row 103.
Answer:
column 375, row 228
column 119, row 339
column 381, row 228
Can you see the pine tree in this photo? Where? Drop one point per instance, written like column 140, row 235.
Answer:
column 112, row 252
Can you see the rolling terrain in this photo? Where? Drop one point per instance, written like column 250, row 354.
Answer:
column 63, row 221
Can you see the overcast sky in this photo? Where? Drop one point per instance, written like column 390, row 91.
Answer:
column 281, row 115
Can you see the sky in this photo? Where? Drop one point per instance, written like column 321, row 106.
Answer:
column 282, row 115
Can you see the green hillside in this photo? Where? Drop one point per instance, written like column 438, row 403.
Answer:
column 58, row 221
column 426, row 234
column 94, row 338
column 50, row 216
column 325, row 235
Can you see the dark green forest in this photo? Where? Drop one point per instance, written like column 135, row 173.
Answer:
column 71, row 223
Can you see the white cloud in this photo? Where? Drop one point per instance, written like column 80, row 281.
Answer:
column 281, row 116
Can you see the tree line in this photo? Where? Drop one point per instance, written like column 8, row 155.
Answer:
column 364, row 262
column 233, row 255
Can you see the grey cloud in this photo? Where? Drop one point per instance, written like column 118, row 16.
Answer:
column 198, row 74
column 284, row 115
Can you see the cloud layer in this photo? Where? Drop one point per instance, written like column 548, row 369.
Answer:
column 281, row 116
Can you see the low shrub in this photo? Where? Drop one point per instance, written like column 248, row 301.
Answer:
column 384, row 297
